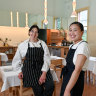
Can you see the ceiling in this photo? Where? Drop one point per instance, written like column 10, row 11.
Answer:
column 59, row 8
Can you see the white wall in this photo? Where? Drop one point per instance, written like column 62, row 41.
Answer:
column 62, row 8
column 16, row 34
column 32, row 19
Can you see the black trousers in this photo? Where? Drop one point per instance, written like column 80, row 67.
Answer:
column 45, row 89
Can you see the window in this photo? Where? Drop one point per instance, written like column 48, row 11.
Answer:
column 83, row 18
column 57, row 23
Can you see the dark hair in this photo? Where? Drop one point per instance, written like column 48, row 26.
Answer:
column 34, row 26
column 78, row 24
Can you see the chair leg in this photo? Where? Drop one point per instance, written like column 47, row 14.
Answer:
column 4, row 93
column 89, row 75
column 55, row 88
column 21, row 89
column 16, row 91
column 10, row 91
column 93, row 79
column 86, row 76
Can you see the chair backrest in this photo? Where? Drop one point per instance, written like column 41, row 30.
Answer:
column 57, row 64
column 25, row 91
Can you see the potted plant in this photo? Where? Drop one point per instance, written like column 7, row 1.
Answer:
column 5, row 42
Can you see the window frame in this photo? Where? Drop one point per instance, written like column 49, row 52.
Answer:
column 54, row 22
column 83, row 9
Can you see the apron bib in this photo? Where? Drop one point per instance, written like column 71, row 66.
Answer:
column 32, row 66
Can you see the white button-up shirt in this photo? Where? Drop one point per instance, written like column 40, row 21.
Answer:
column 21, row 52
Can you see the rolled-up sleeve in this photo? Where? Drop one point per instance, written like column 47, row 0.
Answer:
column 47, row 58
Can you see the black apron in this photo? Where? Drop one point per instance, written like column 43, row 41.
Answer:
column 67, row 71
column 32, row 66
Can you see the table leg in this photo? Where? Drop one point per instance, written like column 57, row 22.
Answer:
column 89, row 75
column 86, row 76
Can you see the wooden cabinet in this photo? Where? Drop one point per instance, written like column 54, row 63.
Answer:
column 53, row 36
column 10, row 55
column 50, row 36
column 10, row 51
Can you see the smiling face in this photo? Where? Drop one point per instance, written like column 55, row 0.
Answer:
column 75, row 33
column 33, row 34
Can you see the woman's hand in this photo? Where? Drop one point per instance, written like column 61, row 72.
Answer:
column 42, row 78
column 67, row 93
column 20, row 75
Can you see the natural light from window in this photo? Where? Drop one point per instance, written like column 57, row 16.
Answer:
column 83, row 18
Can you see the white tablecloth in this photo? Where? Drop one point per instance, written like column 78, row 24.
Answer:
column 10, row 77
column 4, row 57
column 92, row 64
column 56, row 57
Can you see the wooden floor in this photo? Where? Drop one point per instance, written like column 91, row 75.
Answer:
column 89, row 89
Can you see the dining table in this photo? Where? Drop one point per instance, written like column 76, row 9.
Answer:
column 92, row 64
column 10, row 78
column 92, row 67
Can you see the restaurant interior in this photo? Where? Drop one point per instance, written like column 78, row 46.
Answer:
column 53, row 17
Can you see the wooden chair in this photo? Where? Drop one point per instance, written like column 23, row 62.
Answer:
column 52, row 66
column 88, row 77
column 58, row 64
column 93, row 75
column 25, row 91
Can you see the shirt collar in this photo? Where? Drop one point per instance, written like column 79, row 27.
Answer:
column 75, row 45
column 28, row 40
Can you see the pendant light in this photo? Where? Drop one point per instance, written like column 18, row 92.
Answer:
column 74, row 14
column 26, row 15
column 45, row 13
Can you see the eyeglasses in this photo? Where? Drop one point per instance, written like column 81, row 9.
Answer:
column 34, row 31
